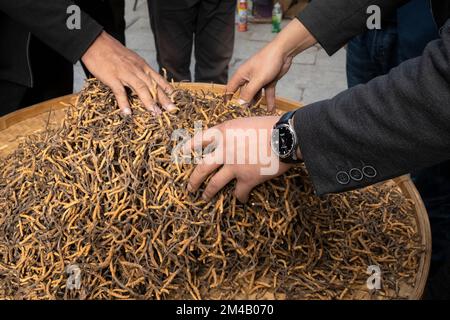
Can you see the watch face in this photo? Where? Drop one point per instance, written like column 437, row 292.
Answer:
column 283, row 142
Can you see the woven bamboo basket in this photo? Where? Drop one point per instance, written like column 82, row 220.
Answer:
column 15, row 126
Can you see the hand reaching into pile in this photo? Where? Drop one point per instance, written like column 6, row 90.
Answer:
column 119, row 67
column 266, row 67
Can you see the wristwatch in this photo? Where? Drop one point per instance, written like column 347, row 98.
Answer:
column 284, row 139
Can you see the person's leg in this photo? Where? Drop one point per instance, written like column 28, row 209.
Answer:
column 172, row 23
column 214, row 40
column 433, row 185
column 371, row 55
column 386, row 51
column 360, row 66
column 11, row 96
column 52, row 74
column 438, row 283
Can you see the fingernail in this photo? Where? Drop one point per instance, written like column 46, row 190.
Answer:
column 189, row 188
column 204, row 197
column 171, row 108
column 127, row 111
column 243, row 103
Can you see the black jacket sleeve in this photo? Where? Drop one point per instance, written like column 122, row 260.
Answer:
column 395, row 124
column 46, row 19
column 334, row 22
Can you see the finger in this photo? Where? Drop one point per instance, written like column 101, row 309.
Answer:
column 237, row 81
column 257, row 96
column 153, row 108
column 270, row 96
column 143, row 91
column 149, row 83
column 162, row 83
column 242, row 191
column 122, row 98
column 202, row 171
column 163, row 88
column 211, row 136
column 218, row 182
column 166, row 103
column 249, row 91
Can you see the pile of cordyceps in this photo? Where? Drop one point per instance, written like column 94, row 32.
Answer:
column 97, row 209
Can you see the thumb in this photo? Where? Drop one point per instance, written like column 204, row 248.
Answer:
column 236, row 81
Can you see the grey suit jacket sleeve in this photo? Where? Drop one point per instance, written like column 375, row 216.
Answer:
column 396, row 124
column 334, row 22
column 46, row 19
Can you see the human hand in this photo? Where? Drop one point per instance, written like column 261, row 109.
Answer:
column 119, row 67
column 242, row 152
column 266, row 67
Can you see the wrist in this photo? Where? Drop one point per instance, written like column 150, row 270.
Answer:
column 90, row 52
column 298, row 151
column 294, row 39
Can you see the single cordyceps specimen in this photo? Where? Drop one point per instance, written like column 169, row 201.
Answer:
column 101, row 200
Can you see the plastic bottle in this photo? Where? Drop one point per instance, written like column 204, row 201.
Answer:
column 249, row 8
column 242, row 16
column 277, row 15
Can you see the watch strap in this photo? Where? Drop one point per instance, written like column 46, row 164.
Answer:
column 286, row 117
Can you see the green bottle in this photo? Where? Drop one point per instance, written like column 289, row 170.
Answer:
column 276, row 18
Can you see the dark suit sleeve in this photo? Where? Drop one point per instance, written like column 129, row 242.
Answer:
column 396, row 124
column 334, row 22
column 46, row 19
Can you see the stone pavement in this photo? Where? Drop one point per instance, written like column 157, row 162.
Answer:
column 313, row 75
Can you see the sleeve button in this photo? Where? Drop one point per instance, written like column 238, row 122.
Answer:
column 356, row 174
column 343, row 178
column 369, row 171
